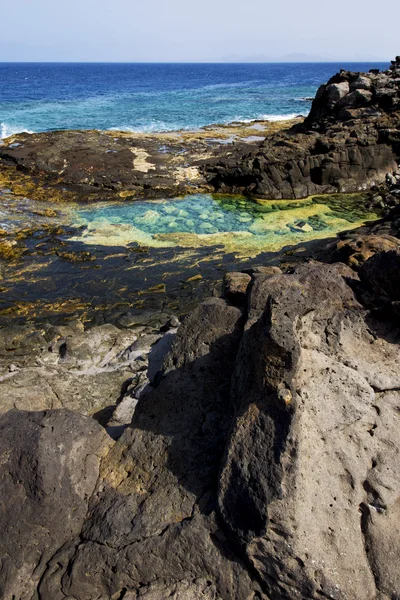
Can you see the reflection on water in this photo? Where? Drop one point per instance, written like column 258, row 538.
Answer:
column 236, row 223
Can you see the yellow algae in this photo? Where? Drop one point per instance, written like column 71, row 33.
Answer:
column 195, row 278
column 223, row 131
column 187, row 174
column 126, row 194
column 32, row 187
column 157, row 289
column 140, row 162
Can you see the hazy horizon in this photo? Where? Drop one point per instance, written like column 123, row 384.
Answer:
column 193, row 62
column 213, row 32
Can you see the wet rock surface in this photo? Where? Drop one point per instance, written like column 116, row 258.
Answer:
column 94, row 165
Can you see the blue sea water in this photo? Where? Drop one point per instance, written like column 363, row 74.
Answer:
column 155, row 97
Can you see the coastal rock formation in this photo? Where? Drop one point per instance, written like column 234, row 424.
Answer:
column 49, row 468
column 311, row 465
column 115, row 165
column 349, row 141
column 264, row 464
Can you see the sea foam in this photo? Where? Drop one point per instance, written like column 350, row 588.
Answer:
column 8, row 130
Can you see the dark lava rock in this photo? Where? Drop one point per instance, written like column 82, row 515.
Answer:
column 48, row 469
column 235, row 287
column 348, row 141
column 382, row 273
column 262, row 465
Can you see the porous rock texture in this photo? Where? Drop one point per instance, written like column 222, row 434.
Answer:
column 264, row 464
column 49, row 465
column 349, row 141
column 63, row 367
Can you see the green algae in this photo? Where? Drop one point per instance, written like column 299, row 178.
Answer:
column 236, row 223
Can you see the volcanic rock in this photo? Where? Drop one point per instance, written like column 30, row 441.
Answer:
column 264, row 464
column 49, row 468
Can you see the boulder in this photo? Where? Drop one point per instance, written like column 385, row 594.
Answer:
column 311, row 484
column 354, row 248
column 356, row 99
column 361, row 83
column 382, row 273
column 48, row 469
column 235, row 286
column 336, row 91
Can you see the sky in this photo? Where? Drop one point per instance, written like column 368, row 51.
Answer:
column 198, row 31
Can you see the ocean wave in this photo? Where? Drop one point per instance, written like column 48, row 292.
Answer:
column 8, row 130
column 265, row 117
column 156, row 126
column 282, row 117
column 153, row 127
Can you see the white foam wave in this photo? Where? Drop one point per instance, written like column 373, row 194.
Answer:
column 155, row 127
column 8, row 130
column 266, row 117
column 281, row 117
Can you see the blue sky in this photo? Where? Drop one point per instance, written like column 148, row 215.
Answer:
column 206, row 30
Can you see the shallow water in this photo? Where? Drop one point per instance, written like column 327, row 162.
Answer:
column 158, row 256
column 236, row 223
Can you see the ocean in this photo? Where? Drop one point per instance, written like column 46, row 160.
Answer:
column 155, row 97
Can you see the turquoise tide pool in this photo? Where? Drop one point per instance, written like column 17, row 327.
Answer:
column 237, row 223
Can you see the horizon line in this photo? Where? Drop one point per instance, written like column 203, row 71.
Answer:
column 194, row 62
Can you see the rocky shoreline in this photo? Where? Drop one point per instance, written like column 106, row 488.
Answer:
column 113, row 165
column 348, row 143
column 247, row 450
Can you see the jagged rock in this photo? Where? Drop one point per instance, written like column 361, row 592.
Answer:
column 382, row 273
column 311, row 467
column 152, row 517
column 361, row 83
column 63, row 367
column 235, row 287
column 336, row 91
column 264, row 464
column 355, row 248
column 348, row 142
column 48, row 469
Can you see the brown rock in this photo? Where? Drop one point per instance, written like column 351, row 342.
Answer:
column 235, row 287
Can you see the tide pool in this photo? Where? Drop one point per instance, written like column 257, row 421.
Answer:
column 236, row 223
